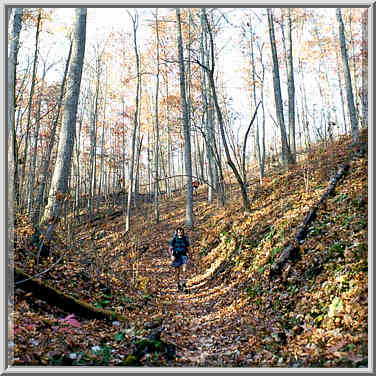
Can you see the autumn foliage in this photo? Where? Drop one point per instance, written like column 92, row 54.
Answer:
column 313, row 314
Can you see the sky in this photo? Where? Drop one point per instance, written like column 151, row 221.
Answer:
column 230, row 61
column 101, row 19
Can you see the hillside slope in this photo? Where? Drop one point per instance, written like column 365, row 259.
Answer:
column 313, row 314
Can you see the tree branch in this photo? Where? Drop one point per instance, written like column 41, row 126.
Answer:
column 245, row 140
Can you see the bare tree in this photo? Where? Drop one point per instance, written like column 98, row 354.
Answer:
column 12, row 141
column 30, row 205
column 291, row 89
column 47, row 159
column 59, row 183
column 156, row 128
column 93, row 130
column 207, row 112
column 186, row 127
column 31, row 95
column 242, row 181
column 135, row 123
column 286, row 153
column 101, row 173
column 349, row 90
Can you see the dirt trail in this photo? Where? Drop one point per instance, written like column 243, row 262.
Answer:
column 190, row 320
column 207, row 324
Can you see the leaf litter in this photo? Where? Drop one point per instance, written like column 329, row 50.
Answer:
column 314, row 314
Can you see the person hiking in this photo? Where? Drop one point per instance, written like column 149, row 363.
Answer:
column 195, row 185
column 178, row 248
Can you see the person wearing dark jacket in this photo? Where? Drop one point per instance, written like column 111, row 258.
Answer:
column 178, row 248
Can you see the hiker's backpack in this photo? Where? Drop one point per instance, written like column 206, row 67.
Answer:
column 176, row 236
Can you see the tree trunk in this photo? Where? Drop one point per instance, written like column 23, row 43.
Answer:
column 169, row 146
column 13, row 197
column 349, row 91
column 210, row 71
column 59, row 183
column 135, row 125
column 30, row 103
column 30, row 204
column 93, row 141
column 307, row 138
column 46, row 164
column 364, row 53
column 286, row 154
column 291, row 90
column 149, row 186
column 77, row 196
column 260, row 148
column 186, row 127
column 101, row 172
column 355, row 76
column 137, row 177
column 262, row 151
column 339, row 79
column 12, row 69
column 156, row 131
column 208, row 125
column 253, row 66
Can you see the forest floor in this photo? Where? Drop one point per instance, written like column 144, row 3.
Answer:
column 235, row 314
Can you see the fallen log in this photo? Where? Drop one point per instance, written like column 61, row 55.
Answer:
column 301, row 233
column 64, row 301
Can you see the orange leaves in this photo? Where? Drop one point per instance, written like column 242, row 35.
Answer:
column 62, row 196
column 233, row 314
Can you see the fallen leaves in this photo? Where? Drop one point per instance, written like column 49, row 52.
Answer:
column 315, row 316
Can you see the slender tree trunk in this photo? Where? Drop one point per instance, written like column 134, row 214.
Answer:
column 13, row 189
column 182, row 169
column 307, row 139
column 123, row 172
column 349, row 91
column 246, row 203
column 93, row 147
column 62, row 169
column 156, row 130
column 340, row 86
column 35, row 146
column 169, row 158
column 208, row 125
column 291, row 90
column 135, row 125
column 12, row 105
column 253, row 66
column 138, row 155
column 259, row 148
column 149, row 186
column 263, row 149
column 101, row 173
column 364, row 54
column 355, row 76
column 200, row 158
column 30, row 104
column 186, row 127
column 46, row 164
column 286, row 154
column 78, row 174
